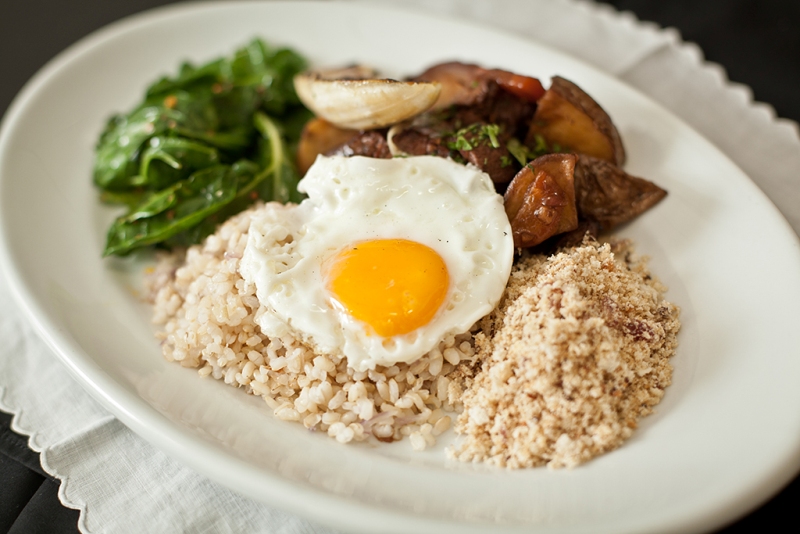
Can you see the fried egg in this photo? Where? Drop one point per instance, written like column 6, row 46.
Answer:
column 383, row 260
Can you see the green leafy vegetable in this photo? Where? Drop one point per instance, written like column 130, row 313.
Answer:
column 180, row 208
column 274, row 158
column 202, row 146
column 167, row 160
column 168, row 212
column 130, row 198
column 117, row 158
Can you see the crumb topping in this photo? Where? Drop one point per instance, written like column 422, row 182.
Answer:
column 577, row 351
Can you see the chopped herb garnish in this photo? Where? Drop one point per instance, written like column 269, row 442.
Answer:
column 520, row 152
column 472, row 136
column 524, row 153
column 491, row 131
column 460, row 143
column 458, row 158
column 541, row 146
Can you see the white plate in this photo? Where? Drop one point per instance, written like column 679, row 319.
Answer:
column 726, row 436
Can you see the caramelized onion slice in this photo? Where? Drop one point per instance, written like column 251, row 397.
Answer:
column 362, row 104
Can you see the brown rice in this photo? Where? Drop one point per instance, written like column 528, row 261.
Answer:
column 206, row 312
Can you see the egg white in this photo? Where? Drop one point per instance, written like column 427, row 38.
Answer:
column 448, row 207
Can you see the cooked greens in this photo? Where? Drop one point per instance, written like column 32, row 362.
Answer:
column 202, row 146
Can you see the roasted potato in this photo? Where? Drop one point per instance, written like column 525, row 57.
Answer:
column 568, row 117
column 540, row 200
column 319, row 137
column 608, row 195
column 573, row 238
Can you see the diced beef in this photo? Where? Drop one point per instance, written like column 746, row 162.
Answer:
column 495, row 106
column 462, row 83
column 421, row 142
column 371, row 143
column 496, row 162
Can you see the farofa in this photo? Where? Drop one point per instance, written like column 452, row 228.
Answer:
column 579, row 351
column 573, row 406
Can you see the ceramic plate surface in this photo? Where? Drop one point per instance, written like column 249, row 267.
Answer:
column 725, row 437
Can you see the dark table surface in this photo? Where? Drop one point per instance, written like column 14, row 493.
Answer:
column 756, row 41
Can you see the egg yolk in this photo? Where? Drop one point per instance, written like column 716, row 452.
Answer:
column 393, row 285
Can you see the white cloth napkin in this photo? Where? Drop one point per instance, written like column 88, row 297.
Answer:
column 122, row 484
